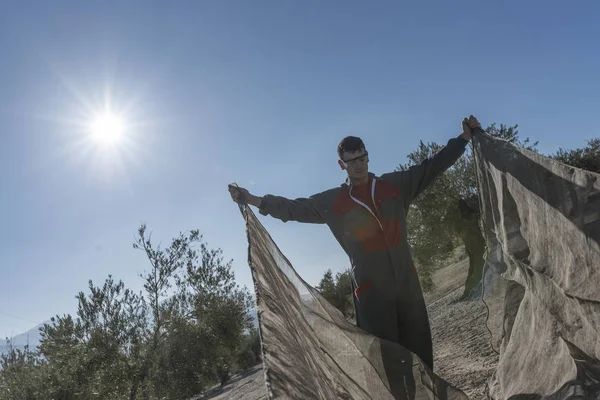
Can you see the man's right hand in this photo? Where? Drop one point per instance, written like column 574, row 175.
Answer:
column 243, row 196
column 238, row 194
column 469, row 125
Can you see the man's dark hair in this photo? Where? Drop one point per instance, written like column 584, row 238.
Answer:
column 350, row 144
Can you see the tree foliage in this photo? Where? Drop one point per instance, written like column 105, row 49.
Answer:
column 587, row 158
column 447, row 213
column 18, row 366
column 187, row 330
column 338, row 291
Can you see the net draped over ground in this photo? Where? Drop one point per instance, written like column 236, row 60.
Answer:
column 542, row 284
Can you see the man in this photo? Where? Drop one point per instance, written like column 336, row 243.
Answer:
column 367, row 215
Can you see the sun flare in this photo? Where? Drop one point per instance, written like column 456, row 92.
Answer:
column 107, row 128
column 102, row 135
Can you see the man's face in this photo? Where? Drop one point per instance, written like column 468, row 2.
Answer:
column 356, row 163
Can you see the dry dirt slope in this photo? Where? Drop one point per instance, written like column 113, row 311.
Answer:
column 463, row 355
column 462, row 350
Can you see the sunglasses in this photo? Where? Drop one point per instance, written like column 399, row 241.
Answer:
column 356, row 160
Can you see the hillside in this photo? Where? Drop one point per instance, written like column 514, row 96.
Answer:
column 31, row 337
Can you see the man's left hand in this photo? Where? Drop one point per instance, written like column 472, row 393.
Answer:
column 469, row 125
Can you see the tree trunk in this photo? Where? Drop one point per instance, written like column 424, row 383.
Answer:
column 475, row 248
column 471, row 235
column 134, row 390
column 143, row 382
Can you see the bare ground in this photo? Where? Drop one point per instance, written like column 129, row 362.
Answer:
column 249, row 385
column 462, row 351
column 463, row 354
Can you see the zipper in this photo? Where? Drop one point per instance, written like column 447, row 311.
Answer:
column 366, row 206
column 380, row 226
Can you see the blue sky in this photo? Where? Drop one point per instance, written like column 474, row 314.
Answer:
column 253, row 92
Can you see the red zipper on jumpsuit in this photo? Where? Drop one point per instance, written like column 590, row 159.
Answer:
column 378, row 221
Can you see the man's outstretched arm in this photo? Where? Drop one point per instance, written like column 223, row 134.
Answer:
column 284, row 209
column 416, row 179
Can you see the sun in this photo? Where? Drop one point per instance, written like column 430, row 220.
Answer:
column 107, row 128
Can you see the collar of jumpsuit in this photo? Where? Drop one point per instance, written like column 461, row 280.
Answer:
column 364, row 195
